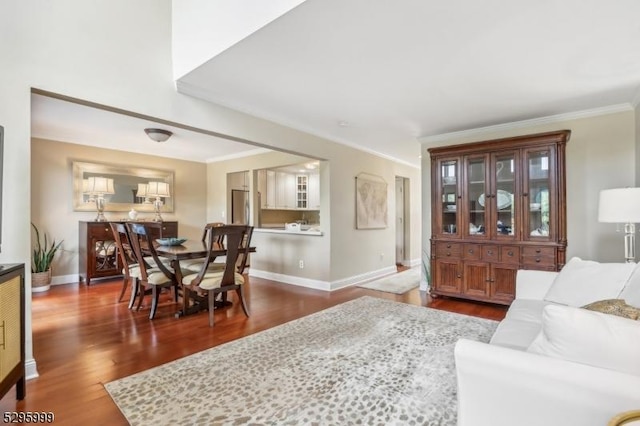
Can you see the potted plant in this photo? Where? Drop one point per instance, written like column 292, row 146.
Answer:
column 41, row 259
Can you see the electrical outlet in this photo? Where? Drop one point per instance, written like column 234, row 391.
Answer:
column 381, row 256
column 223, row 214
column 301, row 263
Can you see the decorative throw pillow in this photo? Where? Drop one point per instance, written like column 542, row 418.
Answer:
column 588, row 337
column 614, row 307
column 581, row 282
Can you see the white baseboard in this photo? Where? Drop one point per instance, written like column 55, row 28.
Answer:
column 65, row 279
column 322, row 285
column 30, row 369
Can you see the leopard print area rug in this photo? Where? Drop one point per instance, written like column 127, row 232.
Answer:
column 368, row 361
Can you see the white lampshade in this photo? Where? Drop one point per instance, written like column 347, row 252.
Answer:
column 619, row 205
column 142, row 190
column 99, row 185
column 85, row 186
column 158, row 189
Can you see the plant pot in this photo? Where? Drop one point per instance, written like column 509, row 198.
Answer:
column 40, row 281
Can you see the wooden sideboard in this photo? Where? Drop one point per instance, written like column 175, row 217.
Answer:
column 12, row 329
column 98, row 257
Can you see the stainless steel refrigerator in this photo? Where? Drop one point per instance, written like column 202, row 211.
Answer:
column 239, row 207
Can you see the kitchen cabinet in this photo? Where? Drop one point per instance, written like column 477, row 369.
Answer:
column 302, row 192
column 497, row 206
column 238, row 180
column 285, row 190
column 314, row 191
column 12, row 371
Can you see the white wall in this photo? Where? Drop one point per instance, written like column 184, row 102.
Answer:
column 52, row 196
column 118, row 53
column 601, row 154
column 203, row 29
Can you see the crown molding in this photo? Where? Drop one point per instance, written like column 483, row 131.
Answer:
column 237, row 155
column 516, row 125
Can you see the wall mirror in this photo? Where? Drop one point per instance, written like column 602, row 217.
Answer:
column 125, row 185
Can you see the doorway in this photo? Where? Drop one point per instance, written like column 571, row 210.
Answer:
column 401, row 221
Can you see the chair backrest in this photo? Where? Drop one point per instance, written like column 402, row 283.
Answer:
column 234, row 236
column 123, row 245
column 142, row 245
column 243, row 257
column 208, row 227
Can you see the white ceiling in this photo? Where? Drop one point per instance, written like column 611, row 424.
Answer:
column 380, row 75
column 64, row 121
column 396, row 71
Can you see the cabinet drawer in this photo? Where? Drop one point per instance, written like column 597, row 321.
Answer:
column 539, row 257
column 539, row 262
column 448, row 250
column 100, row 231
column 490, row 253
column 168, row 230
column 471, row 252
column 539, row 251
column 510, row 254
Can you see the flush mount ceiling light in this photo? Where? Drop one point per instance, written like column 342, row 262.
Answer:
column 158, row 135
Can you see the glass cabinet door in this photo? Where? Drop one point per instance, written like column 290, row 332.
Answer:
column 538, row 188
column 449, row 189
column 502, row 195
column 476, row 181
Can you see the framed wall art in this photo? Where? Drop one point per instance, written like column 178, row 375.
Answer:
column 371, row 202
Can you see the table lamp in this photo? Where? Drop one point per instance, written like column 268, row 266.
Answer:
column 98, row 187
column 159, row 190
column 622, row 205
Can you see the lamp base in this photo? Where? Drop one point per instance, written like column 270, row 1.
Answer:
column 630, row 242
column 157, row 205
column 100, row 209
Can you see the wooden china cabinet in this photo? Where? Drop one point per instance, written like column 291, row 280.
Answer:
column 497, row 206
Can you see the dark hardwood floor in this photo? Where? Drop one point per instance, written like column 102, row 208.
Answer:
column 82, row 338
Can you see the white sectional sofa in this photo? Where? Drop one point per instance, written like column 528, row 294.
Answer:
column 551, row 362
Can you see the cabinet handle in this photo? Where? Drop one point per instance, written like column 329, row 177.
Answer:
column 537, row 260
column 106, row 229
column 525, row 194
column 459, row 276
column 448, row 253
column 510, row 253
column 448, row 245
column 490, row 252
column 4, row 337
column 488, row 280
column 471, row 251
column 537, row 250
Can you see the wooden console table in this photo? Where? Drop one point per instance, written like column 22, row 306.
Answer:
column 98, row 257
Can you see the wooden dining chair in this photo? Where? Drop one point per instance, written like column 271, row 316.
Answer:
column 130, row 269
column 151, row 278
column 194, row 265
column 213, row 282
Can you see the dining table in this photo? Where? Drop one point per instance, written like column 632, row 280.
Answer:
column 192, row 249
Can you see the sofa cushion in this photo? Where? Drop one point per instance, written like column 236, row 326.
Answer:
column 515, row 333
column 614, row 307
column 588, row 337
column 527, row 310
column 581, row 282
column 631, row 291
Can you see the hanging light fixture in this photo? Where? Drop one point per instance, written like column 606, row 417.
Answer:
column 158, row 135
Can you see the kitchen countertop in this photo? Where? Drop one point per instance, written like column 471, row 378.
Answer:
column 275, row 229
